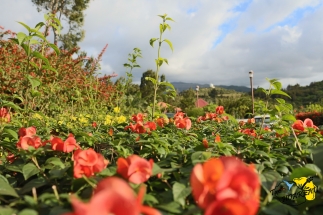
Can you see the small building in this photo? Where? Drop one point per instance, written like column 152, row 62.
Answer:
column 201, row 103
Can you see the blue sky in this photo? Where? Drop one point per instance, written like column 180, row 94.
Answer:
column 214, row 41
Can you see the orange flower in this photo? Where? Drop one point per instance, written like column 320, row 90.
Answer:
column 221, row 183
column 219, row 110
column 151, row 126
column 135, row 169
column 183, row 122
column 30, row 131
column 241, row 123
column 217, row 139
column 205, row 143
column 4, row 115
column 64, row 146
column 138, row 118
column 87, row 162
column 113, row 196
column 94, row 124
column 111, row 132
column 250, row 132
column 251, row 121
column 27, row 138
column 161, row 122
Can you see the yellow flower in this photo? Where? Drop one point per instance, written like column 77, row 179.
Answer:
column 83, row 120
column 88, row 115
column 108, row 120
column 116, row 110
column 120, row 119
column 69, row 125
column 37, row 116
column 60, row 122
column 73, row 118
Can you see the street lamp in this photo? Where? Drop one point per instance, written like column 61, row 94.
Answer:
column 252, row 97
column 197, row 95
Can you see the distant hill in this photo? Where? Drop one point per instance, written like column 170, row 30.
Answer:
column 181, row 86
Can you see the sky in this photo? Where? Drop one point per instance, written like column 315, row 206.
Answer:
column 215, row 41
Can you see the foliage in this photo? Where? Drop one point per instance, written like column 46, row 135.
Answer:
column 34, row 70
column 195, row 112
column 73, row 12
column 159, row 61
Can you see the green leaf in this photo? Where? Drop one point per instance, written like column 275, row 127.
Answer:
column 151, row 79
column 302, row 172
column 37, row 182
column 170, row 19
column 15, row 167
column 5, row 188
column 28, row 212
column 39, row 25
column 180, row 192
column 53, row 46
column 152, row 40
column 54, row 161
column 156, row 169
column 26, row 26
column 170, row 44
column 40, row 56
column 35, row 82
column 26, row 48
column 280, row 101
column 21, row 37
column 50, row 68
column 15, row 40
column 168, row 84
column 279, row 92
column 172, row 207
column 199, row 157
column 161, row 27
column 289, row 117
column 29, row 170
column 11, row 133
column 7, row 211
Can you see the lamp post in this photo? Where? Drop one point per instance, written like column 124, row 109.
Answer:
column 252, row 97
column 197, row 95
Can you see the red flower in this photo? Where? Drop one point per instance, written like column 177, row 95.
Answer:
column 87, row 162
column 250, row 132
column 30, row 131
column 68, row 146
column 217, row 138
column 205, row 143
column 161, row 122
column 138, row 118
column 219, row 110
column 113, row 196
column 11, row 157
column 94, row 124
column 4, row 115
column 135, row 169
column 183, row 123
column 151, row 126
column 28, row 138
column 221, row 183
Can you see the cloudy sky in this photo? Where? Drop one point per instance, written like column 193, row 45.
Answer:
column 215, row 41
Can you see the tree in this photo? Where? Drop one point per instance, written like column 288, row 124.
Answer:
column 146, row 86
column 188, row 99
column 213, row 93
column 70, row 11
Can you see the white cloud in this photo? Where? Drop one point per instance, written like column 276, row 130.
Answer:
column 291, row 53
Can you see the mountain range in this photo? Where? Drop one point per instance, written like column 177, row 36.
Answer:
column 181, row 86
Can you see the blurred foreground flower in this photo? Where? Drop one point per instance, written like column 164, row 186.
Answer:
column 225, row 186
column 4, row 115
column 113, row 196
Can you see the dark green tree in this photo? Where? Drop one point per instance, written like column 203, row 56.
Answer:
column 213, row 93
column 147, row 87
column 71, row 11
column 188, row 99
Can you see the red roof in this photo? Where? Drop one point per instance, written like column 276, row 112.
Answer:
column 201, row 103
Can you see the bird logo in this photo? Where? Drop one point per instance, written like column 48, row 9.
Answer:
column 289, row 185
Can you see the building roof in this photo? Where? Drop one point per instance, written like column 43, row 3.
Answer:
column 201, row 103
